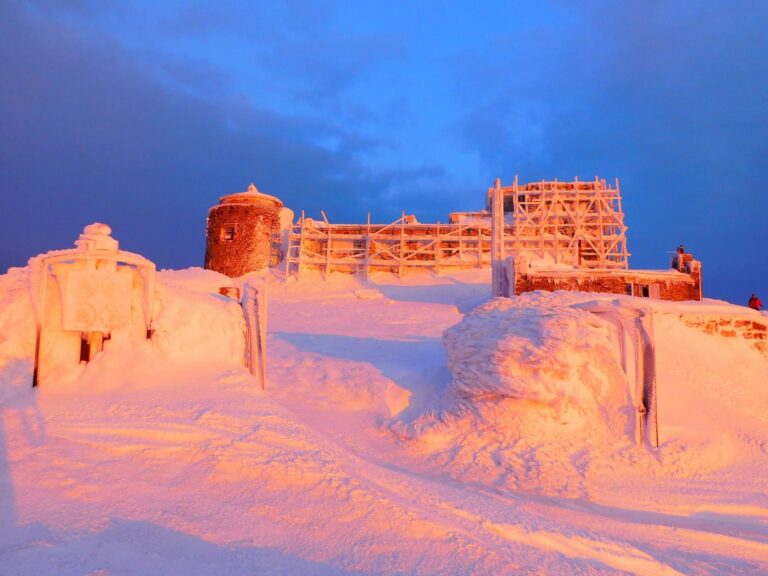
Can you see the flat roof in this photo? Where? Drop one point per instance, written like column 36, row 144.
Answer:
column 667, row 274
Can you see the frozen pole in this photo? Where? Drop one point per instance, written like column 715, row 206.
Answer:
column 498, row 275
column 254, row 305
column 640, row 368
column 650, row 388
column 40, row 312
column 654, row 382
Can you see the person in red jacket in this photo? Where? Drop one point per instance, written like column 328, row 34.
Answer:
column 755, row 303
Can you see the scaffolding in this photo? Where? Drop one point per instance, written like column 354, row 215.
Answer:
column 577, row 223
column 393, row 247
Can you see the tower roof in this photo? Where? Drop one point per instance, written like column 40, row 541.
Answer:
column 250, row 195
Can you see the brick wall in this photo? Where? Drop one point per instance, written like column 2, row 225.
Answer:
column 679, row 291
column 754, row 330
column 242, row 237
column 673, row 287
column 528, row 283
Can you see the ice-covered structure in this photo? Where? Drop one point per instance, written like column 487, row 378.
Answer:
column 561, row 235
column 84, row 295
column 243, row 233
column 571, row 236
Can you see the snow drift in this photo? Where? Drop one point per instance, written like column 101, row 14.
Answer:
column 560, row 358
column 542, row 401
column 164, row 456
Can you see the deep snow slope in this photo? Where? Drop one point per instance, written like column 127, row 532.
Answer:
column 367, row 454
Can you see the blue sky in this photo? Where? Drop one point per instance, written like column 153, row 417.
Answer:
column 141, row 114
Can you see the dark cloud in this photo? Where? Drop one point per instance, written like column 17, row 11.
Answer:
column 143, row 114
column 199, row 19
column 669, row 97
column 292, row 48
column 324, row 68
column 89, row 134
column 199, row 77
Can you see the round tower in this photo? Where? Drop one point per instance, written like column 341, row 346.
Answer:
column 243, row 233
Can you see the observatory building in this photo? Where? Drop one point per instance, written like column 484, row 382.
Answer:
column 243, row 233
column 561, row 235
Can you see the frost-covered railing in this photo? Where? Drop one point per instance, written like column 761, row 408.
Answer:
column 254, row 303
column 637, row 351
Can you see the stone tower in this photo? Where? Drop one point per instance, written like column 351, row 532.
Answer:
column 243, row 233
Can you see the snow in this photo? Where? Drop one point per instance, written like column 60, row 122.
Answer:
column 410, row 426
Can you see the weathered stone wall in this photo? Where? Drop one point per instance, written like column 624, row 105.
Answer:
column 684, row 288
column 529, row 283
column 753, row 330
column 679, row 292
column 243, row 236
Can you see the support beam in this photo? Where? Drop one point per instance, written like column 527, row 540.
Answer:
column 497, row 241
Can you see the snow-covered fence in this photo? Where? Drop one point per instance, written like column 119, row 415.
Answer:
column 650, row 397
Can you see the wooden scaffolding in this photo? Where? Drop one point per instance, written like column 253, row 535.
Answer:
column 394, row 247
column 575, row 223
column 579, row 224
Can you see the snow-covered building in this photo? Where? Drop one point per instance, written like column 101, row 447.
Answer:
column 658, row 284
column 562, row 235
column 572, row 236
column 574, row 224
column 243, row 233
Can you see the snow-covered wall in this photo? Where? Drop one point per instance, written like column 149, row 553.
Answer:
column 667, row 285
column 749, row 326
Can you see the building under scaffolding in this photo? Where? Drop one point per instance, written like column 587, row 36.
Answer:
column 576, row 224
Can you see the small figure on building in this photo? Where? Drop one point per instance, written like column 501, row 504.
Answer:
column 754, row 302
column 681, row 259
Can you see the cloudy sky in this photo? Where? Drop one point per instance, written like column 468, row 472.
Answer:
column 141, row 113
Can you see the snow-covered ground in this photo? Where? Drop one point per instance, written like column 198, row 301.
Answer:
column 382, row 446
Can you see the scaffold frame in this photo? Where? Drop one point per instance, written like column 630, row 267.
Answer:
column 578, row 223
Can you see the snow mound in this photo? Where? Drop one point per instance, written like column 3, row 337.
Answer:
column 536, row 390
column 194, row 322
column 564, row 358
column 540, row 400
column 17, row 326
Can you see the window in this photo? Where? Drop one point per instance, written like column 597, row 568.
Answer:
column 641, row 290
column 228, row 233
